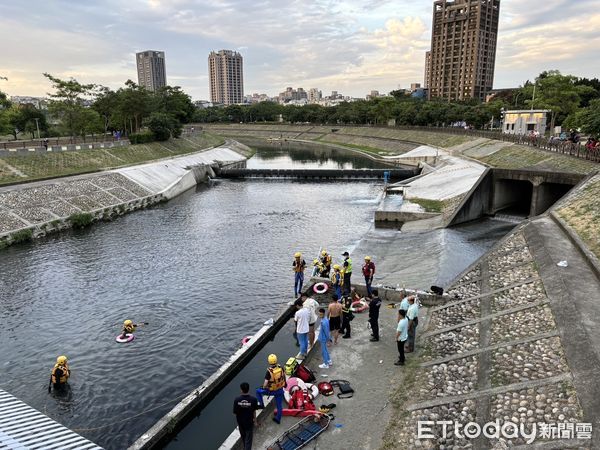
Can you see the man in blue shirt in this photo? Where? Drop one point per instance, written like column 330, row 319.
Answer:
column 324, row 339
column 401, row 336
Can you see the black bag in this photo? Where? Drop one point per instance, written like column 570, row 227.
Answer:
column 437, row 290
column 346, row 390
column 350, row 317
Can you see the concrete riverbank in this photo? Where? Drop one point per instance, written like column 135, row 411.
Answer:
column 35, row 209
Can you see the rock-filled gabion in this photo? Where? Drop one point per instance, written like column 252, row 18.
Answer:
column 448, row 379
column 502, row 260
column 522, row 324
column 63, row 198
column 465, row 291
column 474, row 274
column 513, row 243
column 535, row 360
column 457, row 341
column 550, row 404
column 455, row 314
column 460, row 412
column 512, row 275
column 517, row 296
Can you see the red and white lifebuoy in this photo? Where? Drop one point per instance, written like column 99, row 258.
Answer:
column 246, row 340
column 359, row 306
column 320, row 288
column 128, row 338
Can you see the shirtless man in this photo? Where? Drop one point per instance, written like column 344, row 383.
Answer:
column 334, row 313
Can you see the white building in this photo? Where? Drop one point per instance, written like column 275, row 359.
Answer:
column 525, row 121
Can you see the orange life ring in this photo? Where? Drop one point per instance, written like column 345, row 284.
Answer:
column 359, row 306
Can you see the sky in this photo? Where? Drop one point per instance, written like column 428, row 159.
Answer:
column 352, row 46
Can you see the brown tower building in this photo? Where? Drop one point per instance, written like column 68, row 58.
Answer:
column 463, row 49
column 226, row 77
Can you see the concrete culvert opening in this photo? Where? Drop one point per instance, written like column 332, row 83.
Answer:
column 512, row 197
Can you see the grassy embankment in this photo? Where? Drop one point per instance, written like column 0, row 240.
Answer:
column 582, row 213
column 41, row 166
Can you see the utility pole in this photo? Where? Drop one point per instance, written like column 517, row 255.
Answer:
column 37, row 125
column 533, row 99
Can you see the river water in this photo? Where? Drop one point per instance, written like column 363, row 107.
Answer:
column 203, row 270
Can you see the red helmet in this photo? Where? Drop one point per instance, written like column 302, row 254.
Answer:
column 325, row 388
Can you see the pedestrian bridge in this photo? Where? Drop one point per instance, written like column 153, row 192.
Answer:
column 24, row 428
column 321, row 174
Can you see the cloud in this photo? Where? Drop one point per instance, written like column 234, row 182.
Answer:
column 351, row 46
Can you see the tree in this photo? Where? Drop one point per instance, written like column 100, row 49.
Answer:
column 107, row 106
column 588, row 119
column 67, row 102
column 172, row 100
column 556, row 92
column 163, row 126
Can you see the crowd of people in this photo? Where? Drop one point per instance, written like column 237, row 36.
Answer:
column 333, row 320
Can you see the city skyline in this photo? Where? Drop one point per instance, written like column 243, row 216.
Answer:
column 378, row 45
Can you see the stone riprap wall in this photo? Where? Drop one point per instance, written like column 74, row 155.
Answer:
column 30, row 211
column 27, row 150
column 493, row 353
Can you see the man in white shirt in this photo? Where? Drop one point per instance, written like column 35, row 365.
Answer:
column 413, row 320
column 302, row 318
column 401, row 336
column 313, row 306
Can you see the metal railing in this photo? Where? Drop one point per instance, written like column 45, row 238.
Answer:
column 576, row 150
column 56, row 141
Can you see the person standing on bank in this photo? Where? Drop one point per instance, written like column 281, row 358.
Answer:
column 374, row 305
column 324, row 339
column 347, row 316
column 337, row 279
column 413, row 320
column 313, row 306
column 273, row 385
column 298, row 266
column 368, row 270
column 334, row 313
column 302, row 318
column 347, row 271
column 244, row 408
column 401, row 336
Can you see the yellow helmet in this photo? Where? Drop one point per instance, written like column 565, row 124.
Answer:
column 324, row 253
column 316, row 261
column 62, row 359
column 128, row 322
column 272, row 358
column 367, row 258
column 336, row 267
column 297, row 255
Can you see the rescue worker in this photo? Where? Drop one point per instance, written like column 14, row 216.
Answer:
column 347, row 271
column 298, row 266
column 368, row 270
column 326, row 264
column 374, row 305
column 129, row 327
column 347, row 316
column 273, row 385
column 317, row 268
column 60, row 373
column 337, row 280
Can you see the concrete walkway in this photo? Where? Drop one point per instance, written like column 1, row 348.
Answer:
column 360, row 421
column 574, row 295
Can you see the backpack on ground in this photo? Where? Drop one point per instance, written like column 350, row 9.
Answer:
column 346, row 390
column 290, row 367
column 305, row 374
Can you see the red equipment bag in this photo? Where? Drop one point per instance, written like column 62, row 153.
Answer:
column 305, row 374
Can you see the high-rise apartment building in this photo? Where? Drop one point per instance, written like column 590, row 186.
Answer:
column 463, row 48
column 226, row 74
column 151, row 69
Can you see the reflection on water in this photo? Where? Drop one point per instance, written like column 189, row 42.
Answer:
column 204, row 270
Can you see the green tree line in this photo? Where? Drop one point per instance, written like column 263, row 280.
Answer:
column 77, row 109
